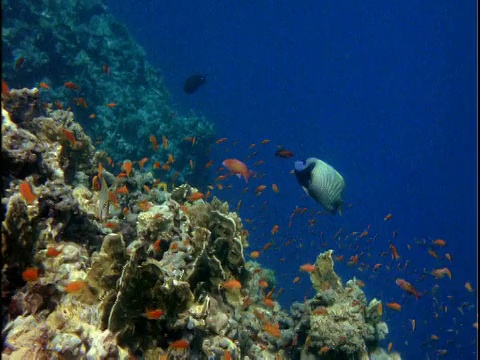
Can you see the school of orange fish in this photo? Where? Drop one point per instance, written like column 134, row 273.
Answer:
column 354, row 241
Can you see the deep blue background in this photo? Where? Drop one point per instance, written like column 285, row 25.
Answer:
column 385, row 92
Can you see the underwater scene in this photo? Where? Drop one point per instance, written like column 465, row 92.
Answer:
column 239, row 180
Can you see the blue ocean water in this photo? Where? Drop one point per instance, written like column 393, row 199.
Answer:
column 384, row 92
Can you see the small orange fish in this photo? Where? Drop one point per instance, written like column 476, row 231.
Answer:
column 266, row 141
column 267, row 245
column 141, row 163
column 127, row 166
column 394, row 252
column 113, row 198
column 30, row 274
column 191, row 164
column 440, row 273
column 26, row 192
column 180, row 344
column 239, row 168
column 259, row 189
column 296, row 279
column 232, row 284
column 360, row 283
column 387, row 217
column 221, row 140
column 254, row 254
column 275, row 188
column 272, row 329
column 434, row 337
column 153, row 314
column 390, row 345
column 170, row 159
column 52, row 252
column 111, row 105
column 262, row 284
column 195, row 196
column 165, row 142
column 81, row 102
column 210, row 163
column 144, row 205
column 439, row 242
column 69, row 136
column 308, row 268
column 71, row 85
column 44, row 85
column 269, row 302
column 75, row 286
column 122, row 190
column 92, row 116
column 468, row 286
column 376, row 266
column 394, row 306
column 157, row 165
column 275, row 229
column 406, row 286
column 153, row 140
column 5, row 88
column 146, row 188
column 432, row 253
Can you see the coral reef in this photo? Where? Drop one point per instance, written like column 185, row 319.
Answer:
column 166, row 278
column 80, row 43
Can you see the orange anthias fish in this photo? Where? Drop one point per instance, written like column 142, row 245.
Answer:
column 70, row 137
column 5, row 88
column 153, row 314
column 127, row 166
column 165, row 142
column 308, row 268
column 394, row 252
column 254, row 254
column 52, row 252
column 71, row 85
column 141, row 163
column 394, row 306
column 406, row 286
column 26, row 192
column 232, row 284
column 111, row 105
column 44, row 85
column 30, row 274
column 272, row 329
column 179, row 344
column 275, row 229
column 195, row 196
column 440, row 273
column 75, row 286
column 237, row 167
column 153, row 140
column 439, row 242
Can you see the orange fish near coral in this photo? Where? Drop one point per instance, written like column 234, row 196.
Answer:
column 394, row 306
column 254, row 254
column 406, row 286
column 275, row 229
column 111, row 105
column 26, row 192
column 52, row 252
column 70, row 137
column 30, row 274
column 180, row 344
column 127, row 166
column 195, row 196
column 237, row 167
column 153, row 314
column 232, row 284
column 165, row 142
column 71, row 85
column 272, row 329
column 153, row 140
column 75, row 286
column 308, row 268
column 44, row 85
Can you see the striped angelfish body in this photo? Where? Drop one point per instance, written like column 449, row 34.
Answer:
column 326, row 186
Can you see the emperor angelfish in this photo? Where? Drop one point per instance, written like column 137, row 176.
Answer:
column 322, row 182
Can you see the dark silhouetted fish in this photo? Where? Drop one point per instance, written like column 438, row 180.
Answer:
column 194, row 82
